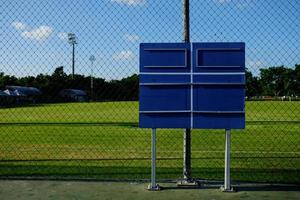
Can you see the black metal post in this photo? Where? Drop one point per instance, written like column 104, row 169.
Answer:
column 187, row 179
column 187, row 156
column 186, row 21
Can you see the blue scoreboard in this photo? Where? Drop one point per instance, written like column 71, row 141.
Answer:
column 198, row 85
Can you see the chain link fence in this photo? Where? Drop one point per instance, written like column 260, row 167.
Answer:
column 64, row 119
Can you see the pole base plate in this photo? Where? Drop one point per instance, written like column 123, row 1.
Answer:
column 188, row 183
column 222, row 188
column 156, row 187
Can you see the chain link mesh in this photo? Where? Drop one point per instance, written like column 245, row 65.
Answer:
column 62, row 126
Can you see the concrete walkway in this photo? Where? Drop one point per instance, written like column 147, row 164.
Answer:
column 13, row 190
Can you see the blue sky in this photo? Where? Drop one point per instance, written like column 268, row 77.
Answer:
column 33, row 32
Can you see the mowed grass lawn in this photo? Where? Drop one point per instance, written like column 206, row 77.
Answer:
column 102, row 140
column 112, row 112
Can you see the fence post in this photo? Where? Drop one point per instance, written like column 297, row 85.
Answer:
column 227, row 187
column 187, row 179
column 187, row 132
column 153, row 186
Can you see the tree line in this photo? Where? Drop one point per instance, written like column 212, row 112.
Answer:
column 125, row 89
column 272, row 81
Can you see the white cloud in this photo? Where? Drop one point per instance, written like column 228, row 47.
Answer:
column 41, row 33
column 255, row 64
column 19, row 25
column 130, row 2
column 124, row 55
column 63, row 36
column 131, row 38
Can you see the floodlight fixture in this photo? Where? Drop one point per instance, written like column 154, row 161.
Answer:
column 72, row 38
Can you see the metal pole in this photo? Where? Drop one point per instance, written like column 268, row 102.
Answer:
column 92, row 83
column 227, row 187
column 73, row 60
column 187, row 155
column 186, row 20
column 227, row 160
column 153, row 186
column 187, row 180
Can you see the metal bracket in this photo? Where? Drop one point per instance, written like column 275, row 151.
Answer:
column 155, row 187
column 222, row 188
column 188, row 183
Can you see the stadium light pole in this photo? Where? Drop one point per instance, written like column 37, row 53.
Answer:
column 92, row 59
column 72, row 41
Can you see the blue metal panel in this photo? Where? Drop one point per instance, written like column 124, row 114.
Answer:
column 218, row 57
column 165, row 85
column 233, row 78
column 165, row 78
column 165, row 57
column 165, row 120
column 219, row 120
column 218, row 85
column 210, row 95
column 164, row 98
column 219, row 98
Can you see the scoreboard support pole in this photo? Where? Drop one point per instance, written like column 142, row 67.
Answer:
column 153, row 186
column 187, row 155
column 187, row 178
column 227, row 187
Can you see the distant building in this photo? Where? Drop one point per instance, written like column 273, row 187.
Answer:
column 3, row 94
column 23, row 94
column 5, row 99
column 73, row 95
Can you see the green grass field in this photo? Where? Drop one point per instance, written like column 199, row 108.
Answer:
column 102, row 140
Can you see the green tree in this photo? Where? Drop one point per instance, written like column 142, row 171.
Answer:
column 7, row 80
column 276, row 81
column 253, row 86
column 296, row 81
